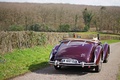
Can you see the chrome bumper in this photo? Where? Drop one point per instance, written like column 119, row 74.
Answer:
column 82, row 64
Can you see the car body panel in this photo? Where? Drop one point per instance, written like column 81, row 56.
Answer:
column 106, row 51
column 75, row 50
column 84, row 52
column 97, row 53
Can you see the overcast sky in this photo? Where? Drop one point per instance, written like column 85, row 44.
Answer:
column 86, row 2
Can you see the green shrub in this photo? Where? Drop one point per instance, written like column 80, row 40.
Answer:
column 64, row 28
column 86, row 28
column 76, row 29
column 16, row 28
column 44, row 28
column 34, row 27
column 39, row 27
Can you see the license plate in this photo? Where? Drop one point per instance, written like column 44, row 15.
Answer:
column 73, row 61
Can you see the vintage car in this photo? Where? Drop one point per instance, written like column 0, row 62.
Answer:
column 80, row 52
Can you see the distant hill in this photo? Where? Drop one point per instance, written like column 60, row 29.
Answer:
column 52, row 16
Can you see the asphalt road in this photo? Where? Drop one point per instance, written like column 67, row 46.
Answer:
column 109, row 70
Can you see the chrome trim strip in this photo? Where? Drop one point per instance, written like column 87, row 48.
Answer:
column 82, row 64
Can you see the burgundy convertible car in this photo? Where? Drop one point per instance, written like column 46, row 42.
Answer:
column 80, row 52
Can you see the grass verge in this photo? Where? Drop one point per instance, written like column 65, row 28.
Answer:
column 22, row 61
column 103, row 34
column 118, row 76
column 110, row 41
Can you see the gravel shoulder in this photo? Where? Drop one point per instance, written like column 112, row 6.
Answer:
column 109, row 70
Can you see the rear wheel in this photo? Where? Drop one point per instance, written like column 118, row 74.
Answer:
column 99, row 66
column 57, row 67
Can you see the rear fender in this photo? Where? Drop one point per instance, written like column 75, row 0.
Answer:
column 97, row 54
column 53, row 52
column 106, row 50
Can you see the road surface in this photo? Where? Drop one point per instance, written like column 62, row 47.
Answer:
column 109, row 70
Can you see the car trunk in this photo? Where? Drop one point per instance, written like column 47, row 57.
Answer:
column 76, row 50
